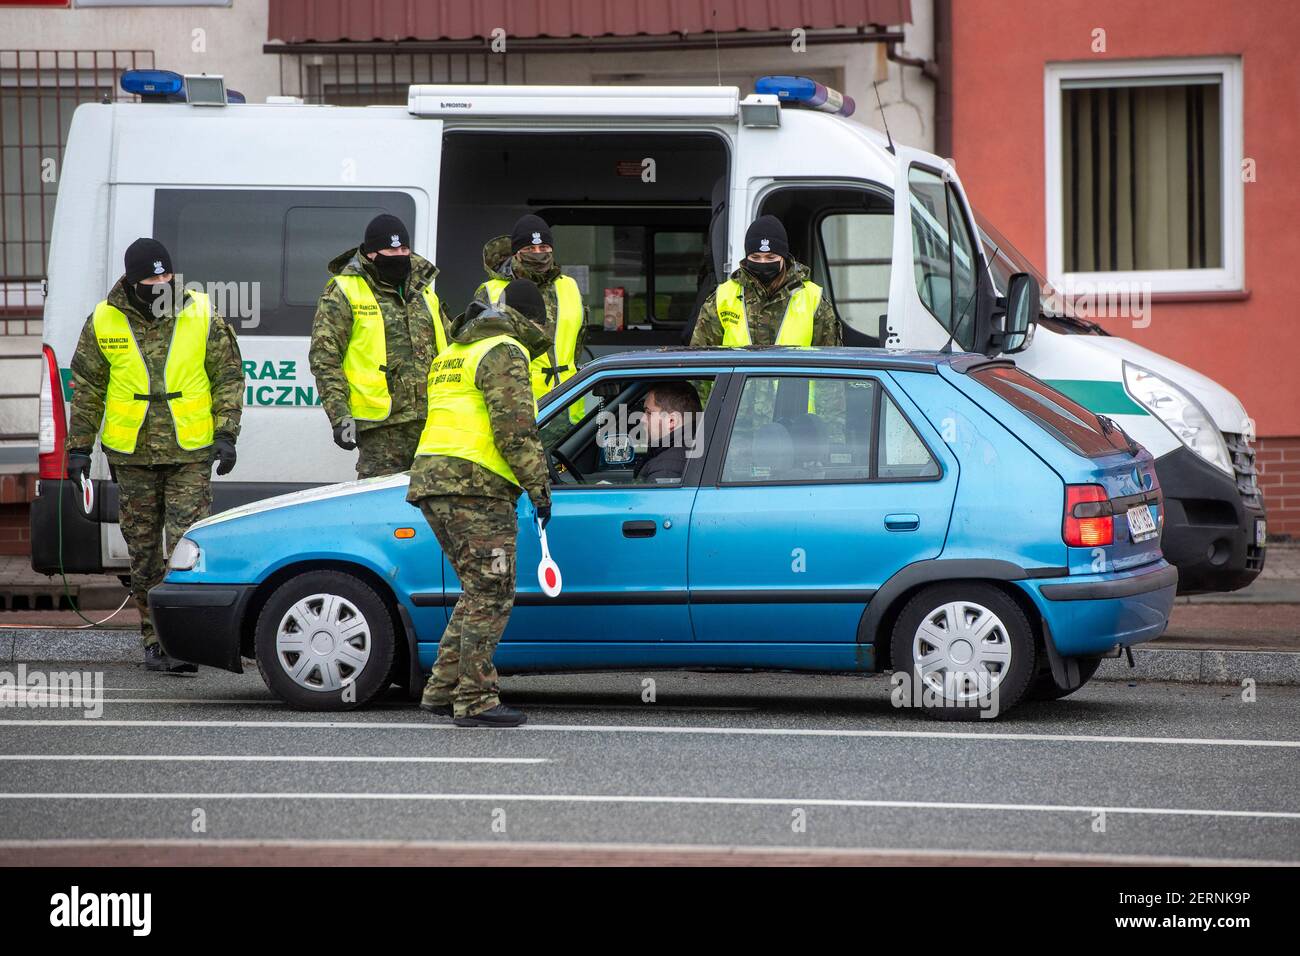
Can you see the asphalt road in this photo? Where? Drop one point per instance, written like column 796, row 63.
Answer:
column 723, row 761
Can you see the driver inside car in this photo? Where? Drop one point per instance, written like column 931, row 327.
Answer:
column 672, row 412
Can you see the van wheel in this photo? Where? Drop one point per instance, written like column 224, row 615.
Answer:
column 1044, row 686
column 325, row 641
column 964, row 647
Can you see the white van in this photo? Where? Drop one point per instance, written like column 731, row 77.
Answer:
column 649, row 191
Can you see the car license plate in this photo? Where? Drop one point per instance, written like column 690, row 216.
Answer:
column 1261, row 532
column 1140, row 523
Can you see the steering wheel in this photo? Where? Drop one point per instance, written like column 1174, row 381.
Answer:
column 557, row 455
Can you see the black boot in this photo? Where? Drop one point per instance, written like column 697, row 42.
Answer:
column 438, row 710
column 498, row 716
column 156, row 660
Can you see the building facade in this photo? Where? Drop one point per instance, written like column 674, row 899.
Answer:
column 1146, row 149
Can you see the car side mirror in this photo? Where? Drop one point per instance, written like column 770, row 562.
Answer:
column 1017, row 309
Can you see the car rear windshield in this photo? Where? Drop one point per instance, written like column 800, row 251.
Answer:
column 1065, row 419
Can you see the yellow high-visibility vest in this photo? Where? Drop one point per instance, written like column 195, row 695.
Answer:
column 458, row 425
column 186, row 388
column 796, row 325
column 366, row 360
column 568, row 323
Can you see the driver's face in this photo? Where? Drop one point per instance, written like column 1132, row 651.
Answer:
column 659, row 422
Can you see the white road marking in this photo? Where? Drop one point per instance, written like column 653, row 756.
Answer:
column 261, row 758
column 87, row 700
column 660, row 729
column 590, row 798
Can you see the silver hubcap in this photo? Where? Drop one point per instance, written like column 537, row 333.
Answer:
column 323, row 642
column 961, row 651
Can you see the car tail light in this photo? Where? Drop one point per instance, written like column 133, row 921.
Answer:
column 54, row 422
column 1088, row 521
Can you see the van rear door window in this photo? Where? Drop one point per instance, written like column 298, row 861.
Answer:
column 1065, row 419
column 263, row 253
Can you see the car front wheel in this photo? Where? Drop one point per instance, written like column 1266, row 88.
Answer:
column 963, row 650
column 325, row 642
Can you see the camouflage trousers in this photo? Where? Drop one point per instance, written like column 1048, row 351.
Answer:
column 156, row 503
column 478, row 536
column 387, row 449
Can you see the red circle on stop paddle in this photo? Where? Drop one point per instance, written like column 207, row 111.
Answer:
column 550, row 577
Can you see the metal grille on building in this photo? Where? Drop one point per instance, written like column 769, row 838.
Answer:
column 344, row 78
column 39, row 90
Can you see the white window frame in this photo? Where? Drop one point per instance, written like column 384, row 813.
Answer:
column 1231, row 276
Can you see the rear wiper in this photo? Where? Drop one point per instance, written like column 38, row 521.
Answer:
column 1109, row 426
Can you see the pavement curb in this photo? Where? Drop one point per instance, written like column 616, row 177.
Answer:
column 1190, row 666
column 1179, row 665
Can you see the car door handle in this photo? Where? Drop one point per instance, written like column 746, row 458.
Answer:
column 639, row 529
column 902, row 522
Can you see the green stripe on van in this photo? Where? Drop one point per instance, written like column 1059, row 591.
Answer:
column 1102, row 397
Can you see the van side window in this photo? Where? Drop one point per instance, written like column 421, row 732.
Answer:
column 845, row 236
column 944, row 255
column 262, row 253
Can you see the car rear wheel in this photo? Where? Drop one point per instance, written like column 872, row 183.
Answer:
column 325, row 641
column 1044, row 686
column 965, row 649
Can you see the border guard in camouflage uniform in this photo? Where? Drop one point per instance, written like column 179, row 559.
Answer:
column 769, row 300
column 162, row 372
column 378, row 326
column 479, row 449
column 529, row 253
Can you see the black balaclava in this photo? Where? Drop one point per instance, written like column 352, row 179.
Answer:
column 388, row 232
column 146, row 258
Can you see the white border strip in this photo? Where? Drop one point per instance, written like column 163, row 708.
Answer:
column 661, row 729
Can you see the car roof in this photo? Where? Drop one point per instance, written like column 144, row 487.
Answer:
column 842, row 357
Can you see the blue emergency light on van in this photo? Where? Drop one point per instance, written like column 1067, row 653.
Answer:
column 153, row 83
column 801, row 91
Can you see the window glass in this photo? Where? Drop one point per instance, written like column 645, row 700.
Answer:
column 944, row 255
column 1065, row 419
column 902, row 453
column 628, row 431
column 633, row 276
column 859, row 250
column 264, row 253
column 1142, row 187
column 794, row 428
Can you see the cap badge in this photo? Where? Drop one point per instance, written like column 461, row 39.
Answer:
column 158, row 268
column 537, row 238
column 764, row 245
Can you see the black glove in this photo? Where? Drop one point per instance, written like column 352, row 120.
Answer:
column 78, row 464
column 348, row 426
column 544, row 514
column 223, row 450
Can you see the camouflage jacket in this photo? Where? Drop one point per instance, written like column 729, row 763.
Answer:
column 499, row 264
column 408, row 339
column 764, row 311
column 156, row 442
column 503, row 379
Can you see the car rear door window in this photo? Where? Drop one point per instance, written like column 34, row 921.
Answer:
column 792, row 428
column 1066, row 420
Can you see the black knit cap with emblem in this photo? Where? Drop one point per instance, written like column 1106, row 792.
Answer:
column 144, row 258
column 530, row 230
column 385, row 232
column 766, row 234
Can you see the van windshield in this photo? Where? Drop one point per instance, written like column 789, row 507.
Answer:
column 1064, row 419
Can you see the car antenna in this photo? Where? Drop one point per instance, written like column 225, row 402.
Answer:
column 875, row 85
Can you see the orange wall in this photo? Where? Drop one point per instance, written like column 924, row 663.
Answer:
column 1000, row 49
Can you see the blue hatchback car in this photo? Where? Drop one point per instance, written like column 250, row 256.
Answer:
column 945, row 516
